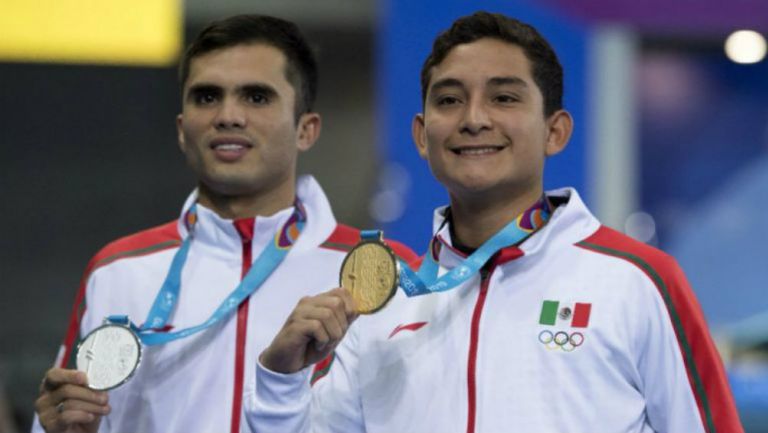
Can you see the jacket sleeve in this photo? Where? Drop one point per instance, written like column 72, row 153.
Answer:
column 685, row 385
column 321, row 399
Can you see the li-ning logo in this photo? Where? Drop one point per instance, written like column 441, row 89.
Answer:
column 561, row 340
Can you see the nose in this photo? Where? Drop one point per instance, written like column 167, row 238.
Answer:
column 230, row 115
column 476, row 118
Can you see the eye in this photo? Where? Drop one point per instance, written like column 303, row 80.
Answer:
column 446, row 100
column 205, row 98
column 506, row 98
column 257, row 98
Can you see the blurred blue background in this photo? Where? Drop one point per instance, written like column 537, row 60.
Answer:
column 670, row 146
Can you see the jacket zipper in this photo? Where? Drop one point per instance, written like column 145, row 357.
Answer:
column 242, row 328
column 485, row 273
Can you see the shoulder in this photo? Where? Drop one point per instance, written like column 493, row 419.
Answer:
column 659, row 266
column 344, row 238
column 142, row 243
column 707, row 379
column 659, row 273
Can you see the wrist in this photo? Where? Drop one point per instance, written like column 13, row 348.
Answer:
column 272, row 362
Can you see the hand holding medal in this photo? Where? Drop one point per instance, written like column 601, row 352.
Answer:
column 369, row 277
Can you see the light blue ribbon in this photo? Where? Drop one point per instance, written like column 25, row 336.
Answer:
column 426, row 281
column 167, row 297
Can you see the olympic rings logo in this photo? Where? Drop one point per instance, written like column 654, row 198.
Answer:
column 561, row 340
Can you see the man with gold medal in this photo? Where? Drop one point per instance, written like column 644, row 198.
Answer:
column 525, row 315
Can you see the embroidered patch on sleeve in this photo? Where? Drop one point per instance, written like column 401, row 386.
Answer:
column 322, row 368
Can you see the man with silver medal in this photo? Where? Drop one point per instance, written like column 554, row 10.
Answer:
column 459, row 347
column 175, row 315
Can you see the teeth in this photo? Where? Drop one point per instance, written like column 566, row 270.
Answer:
column 229, row 146
column 478, row 150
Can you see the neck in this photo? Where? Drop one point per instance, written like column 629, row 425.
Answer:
column 476, row 219
column 236, row 206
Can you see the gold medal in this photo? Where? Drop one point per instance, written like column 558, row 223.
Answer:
column 370, row 273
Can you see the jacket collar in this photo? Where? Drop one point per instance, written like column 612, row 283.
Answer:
column 218, row 233
column 570, row 223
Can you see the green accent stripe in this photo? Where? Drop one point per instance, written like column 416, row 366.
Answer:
column 137, row 252
column 676, row 322
column 72, row 360
column 337, row 246
column 548, row 314
column 319, row 374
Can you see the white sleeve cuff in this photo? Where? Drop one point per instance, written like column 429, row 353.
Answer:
column 273, row 388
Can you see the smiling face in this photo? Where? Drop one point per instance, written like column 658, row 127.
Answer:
column 238, row 128
column 483, row 130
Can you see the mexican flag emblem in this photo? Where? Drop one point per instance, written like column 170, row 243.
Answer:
column 573, row 314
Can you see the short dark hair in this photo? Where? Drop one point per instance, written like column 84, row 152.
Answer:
column 547, row 71
column 301, row 67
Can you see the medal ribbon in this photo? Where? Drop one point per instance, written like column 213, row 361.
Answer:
column 426, row 281
column 167, row 297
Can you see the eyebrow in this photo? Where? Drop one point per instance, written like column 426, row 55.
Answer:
column 201, row 88
column 445, row 82
column 494, row 81
column 503, row 81
column 244, row 89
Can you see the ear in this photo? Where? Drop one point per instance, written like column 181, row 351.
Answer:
column 559, row 128
column 308, row 130
column 180, row 132
column 418, row 131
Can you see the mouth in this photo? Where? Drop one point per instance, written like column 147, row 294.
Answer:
column 230, row 143
column 230, row 149
column 477, row 150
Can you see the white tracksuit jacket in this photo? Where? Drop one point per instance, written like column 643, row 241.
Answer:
column 197, row 384
column 634, row 354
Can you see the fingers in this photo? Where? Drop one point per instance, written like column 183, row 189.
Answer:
column 327, row 316
column 61, row 384
column 349, row 303
column 79, row 411
column 312, row 331
column 81, row 393
column 56, row 377
column 59, row 416
column 314, row 322
column 65, row 400
column 334, row 311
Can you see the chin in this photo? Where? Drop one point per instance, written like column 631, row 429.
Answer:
column 478, row 179
column 482, row 186
column 231, row 185
column 471, row 185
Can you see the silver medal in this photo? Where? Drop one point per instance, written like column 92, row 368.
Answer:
column 109, row 355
